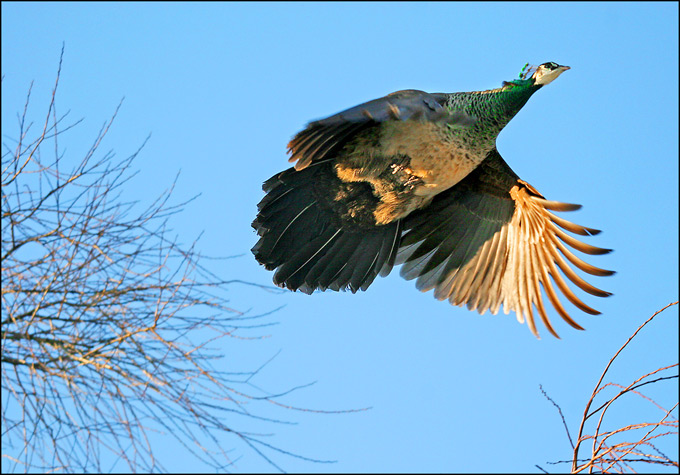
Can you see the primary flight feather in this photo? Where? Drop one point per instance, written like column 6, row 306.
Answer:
column 415, row 179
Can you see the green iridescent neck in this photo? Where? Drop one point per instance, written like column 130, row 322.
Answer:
column 517, row 83
column 493, row 109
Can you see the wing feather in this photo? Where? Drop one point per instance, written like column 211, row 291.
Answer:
column 492, row 241
column 322, row 137
column 580, row 263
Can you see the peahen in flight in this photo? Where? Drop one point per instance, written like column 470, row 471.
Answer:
column 415, row 179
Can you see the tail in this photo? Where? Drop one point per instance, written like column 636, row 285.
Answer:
column 310, row 246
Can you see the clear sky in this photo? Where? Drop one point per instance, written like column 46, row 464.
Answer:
column 222, row 87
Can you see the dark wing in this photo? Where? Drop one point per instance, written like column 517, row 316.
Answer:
column 323, row 138
column 301, row 238
column 491, row 240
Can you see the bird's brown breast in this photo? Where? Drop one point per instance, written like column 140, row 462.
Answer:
column 406, row 164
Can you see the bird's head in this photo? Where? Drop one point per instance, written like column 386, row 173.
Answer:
column 543, row 74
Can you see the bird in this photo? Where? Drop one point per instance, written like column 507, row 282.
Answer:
column 415, row 179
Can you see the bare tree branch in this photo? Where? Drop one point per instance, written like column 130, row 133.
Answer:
column 620, row 450
column 624, row 448
column 101, row 308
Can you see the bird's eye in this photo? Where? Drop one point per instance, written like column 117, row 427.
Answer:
column 551, row 65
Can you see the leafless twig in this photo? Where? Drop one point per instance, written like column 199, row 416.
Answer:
column 623, row 448
column 101, row 308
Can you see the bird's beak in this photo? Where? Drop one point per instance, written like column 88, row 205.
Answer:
column 564, row 68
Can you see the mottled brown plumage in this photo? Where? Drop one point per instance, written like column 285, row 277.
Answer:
column 415, row 179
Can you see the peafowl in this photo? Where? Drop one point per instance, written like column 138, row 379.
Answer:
column 415, row 179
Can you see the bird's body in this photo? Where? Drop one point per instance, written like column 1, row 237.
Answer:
column 415, row 178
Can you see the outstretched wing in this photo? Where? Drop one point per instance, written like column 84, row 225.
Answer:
column 492, row 240
column 323, row 138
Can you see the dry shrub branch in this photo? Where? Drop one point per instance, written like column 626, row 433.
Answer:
column 635, row 446
column 618, row 449
column 101, row 311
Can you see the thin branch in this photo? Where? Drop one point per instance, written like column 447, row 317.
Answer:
column 559, row 409
column 622, row 449
column 110, row 325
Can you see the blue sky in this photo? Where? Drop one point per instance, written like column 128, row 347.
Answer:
column 222, row 87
